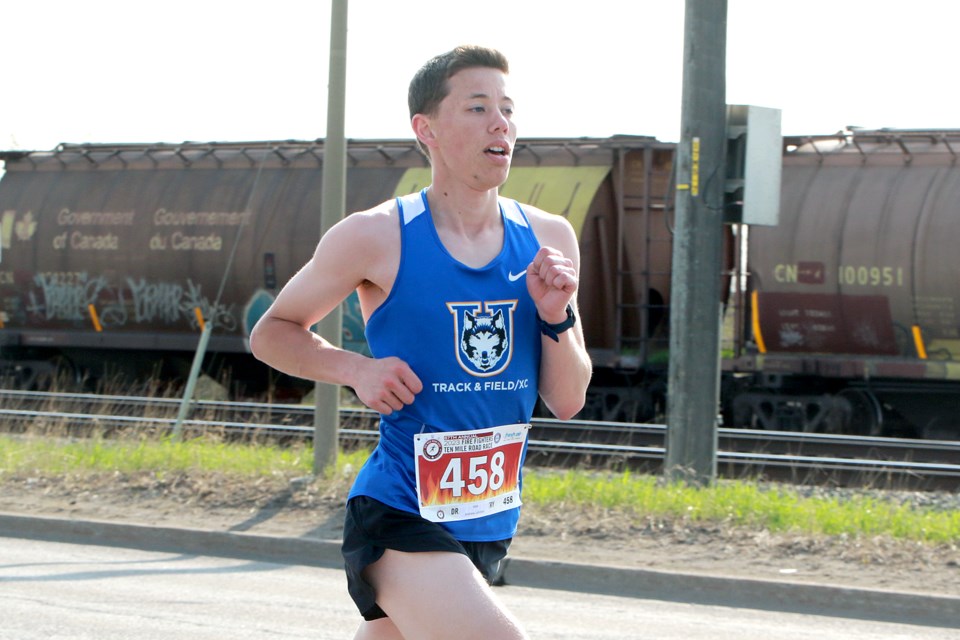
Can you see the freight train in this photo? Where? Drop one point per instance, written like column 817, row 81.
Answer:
column 843, row 318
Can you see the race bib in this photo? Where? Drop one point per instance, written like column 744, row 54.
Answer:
column 468, row 474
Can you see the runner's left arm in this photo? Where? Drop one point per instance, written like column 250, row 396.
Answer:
column 552, row 281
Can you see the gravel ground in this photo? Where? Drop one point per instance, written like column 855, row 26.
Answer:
column 302, row 507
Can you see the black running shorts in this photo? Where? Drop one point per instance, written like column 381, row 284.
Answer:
column 370, row 527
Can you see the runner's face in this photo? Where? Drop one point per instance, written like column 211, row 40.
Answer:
column 474, row 129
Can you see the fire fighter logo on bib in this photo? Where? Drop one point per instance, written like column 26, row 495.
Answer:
column 468, row 474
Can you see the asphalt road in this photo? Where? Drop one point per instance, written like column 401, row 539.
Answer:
column 55, row 590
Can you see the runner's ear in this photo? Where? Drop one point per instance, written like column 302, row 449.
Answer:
column 423, row 130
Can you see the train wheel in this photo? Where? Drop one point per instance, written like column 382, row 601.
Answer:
column 42, row 375
column 866, row 415
column 940, row 429
column 59, row 373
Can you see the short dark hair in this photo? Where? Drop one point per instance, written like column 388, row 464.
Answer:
column 429, row 86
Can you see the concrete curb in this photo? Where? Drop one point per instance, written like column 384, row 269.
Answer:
column 803, row 598
column 813, row 599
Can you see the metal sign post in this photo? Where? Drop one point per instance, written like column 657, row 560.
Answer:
column 326, row 419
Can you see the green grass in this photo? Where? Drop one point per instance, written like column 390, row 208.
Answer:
column 128, row 456
column 776, row 508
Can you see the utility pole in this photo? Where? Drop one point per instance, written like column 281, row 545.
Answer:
column 693, row 390
column 326, row 417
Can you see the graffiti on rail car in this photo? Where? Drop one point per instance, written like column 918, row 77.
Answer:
column 69, row 296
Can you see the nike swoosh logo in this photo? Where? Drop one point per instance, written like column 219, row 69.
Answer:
column 513, row 277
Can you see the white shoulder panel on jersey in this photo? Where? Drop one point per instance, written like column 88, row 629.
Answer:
column 411, row 206
column 511, row 209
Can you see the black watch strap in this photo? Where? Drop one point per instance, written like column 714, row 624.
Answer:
column 553, row 331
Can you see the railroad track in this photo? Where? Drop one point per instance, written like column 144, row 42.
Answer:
column 788, row 456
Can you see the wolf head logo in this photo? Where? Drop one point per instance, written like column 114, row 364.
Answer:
column 484, row 339
column 483, row 333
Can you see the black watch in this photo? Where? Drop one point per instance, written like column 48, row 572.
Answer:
column 553, row 331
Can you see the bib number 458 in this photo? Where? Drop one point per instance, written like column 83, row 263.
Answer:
column 485, row 473
column 469, row 474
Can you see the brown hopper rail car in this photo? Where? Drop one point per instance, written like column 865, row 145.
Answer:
column 842, row 318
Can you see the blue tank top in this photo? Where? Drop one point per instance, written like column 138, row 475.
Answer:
column 426, row 320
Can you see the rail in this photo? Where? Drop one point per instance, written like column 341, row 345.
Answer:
column 787, row 456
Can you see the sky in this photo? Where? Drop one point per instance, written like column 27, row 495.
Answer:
column 105, row 71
